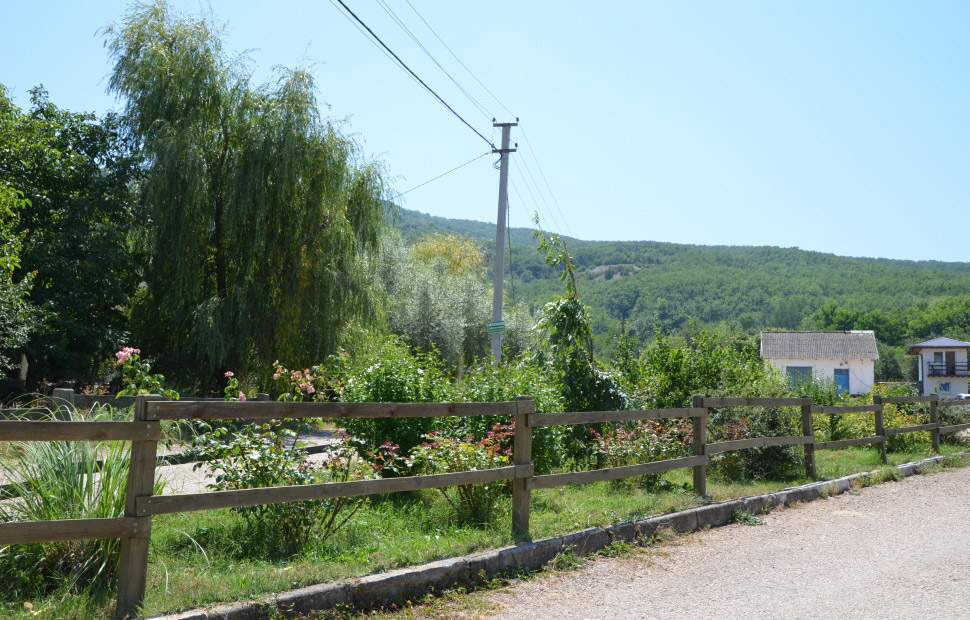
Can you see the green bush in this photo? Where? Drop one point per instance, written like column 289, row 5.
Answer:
column 512, row 378
column 388, row 371
column 258, row 455
column 642, row 442
column 442, row 455
column 63, row 480
column 769, row 463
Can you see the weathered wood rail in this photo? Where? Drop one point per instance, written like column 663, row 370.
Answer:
column 134, row 527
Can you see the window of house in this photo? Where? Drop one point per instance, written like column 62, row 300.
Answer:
column 798, row 375
column 944, row 387
column 938, row 357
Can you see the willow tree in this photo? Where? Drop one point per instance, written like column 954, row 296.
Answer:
column 257, row 208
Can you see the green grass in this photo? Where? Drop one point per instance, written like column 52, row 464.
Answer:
column 201, row 558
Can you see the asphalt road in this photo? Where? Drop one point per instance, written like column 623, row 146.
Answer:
column 893, row 551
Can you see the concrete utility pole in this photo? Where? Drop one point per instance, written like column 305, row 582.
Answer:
column 497, row 326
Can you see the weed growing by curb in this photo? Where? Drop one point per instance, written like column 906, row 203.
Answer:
column 746, row 518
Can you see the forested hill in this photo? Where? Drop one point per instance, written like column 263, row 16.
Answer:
column 650, row 283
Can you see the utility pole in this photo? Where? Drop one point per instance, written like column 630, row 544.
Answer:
column 497, row 326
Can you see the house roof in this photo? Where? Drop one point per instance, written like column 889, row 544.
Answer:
column 938, row 343
column 838, row 345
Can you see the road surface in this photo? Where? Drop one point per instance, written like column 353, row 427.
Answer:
column 892, row 551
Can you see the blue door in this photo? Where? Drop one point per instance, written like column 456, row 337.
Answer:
column 842, row 380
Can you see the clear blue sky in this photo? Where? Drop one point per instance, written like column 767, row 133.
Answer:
column 830, row 125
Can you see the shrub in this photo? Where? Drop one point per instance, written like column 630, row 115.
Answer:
column 387, row 371
column 641, row 442
column 63, row 480
column 515, row 377
column 441, row 454
column 137, row 377
column 257, row 455
column 769, row 463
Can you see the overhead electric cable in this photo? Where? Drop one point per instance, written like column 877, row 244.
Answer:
column 390, row 12
column 544, row 179
column 455, row 56
column 542, row 194
column 508, row 232
column 443, row 174
column 530, row 216
column 413, row 74
column 532, row 195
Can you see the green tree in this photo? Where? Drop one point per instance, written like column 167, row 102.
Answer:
column 16, row 313
column 566, row 341
column 257, row 208
column 74, row 172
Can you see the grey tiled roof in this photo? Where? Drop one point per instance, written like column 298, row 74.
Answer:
column 942, row 343
column 841, row 345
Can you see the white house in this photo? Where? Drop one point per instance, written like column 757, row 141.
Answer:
column 942, row 366
column 845, row 357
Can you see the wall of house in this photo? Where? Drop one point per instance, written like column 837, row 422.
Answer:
column 935, row 385
column 861, row 372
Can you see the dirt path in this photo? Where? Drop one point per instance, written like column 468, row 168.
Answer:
column 896, row 550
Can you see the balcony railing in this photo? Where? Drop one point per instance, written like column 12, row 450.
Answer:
column 942, row 369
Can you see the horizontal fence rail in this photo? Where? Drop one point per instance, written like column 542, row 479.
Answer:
column 203, row 410
column 549, row 481
column 162, row 504
column 595, row 417
column 25, row 532
column 134, row 527
column 757, row 442
column 79, row 431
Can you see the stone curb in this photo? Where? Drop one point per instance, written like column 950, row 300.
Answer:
column 404, row 584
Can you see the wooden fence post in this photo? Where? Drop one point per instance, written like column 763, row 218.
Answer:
column 808, row 430
column 935, row 419
column 521, row 455
column 700, row 447
column 133, row 565
column 880, row 427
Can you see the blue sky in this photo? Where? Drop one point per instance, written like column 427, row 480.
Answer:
column 830, row 125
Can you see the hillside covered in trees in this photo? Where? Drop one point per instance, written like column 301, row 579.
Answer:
column 651, row 285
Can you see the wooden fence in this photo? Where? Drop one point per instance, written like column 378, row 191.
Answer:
column 134, row 528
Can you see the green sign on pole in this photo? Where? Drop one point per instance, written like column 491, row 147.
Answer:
column 496, row 327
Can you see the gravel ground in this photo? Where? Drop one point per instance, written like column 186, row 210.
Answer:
column 896, row 550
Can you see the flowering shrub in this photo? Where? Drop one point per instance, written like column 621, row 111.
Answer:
column 441, row 455
column 232, row 391
column 388, row 371
column 641, row 442
column 307, row 384
column 263, row 455
column 137, row 377
column 769, row 463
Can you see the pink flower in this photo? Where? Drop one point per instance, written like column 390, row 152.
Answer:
column 229, row 374
column 310, row 389
column 276, row 376
column 242, row 397
column 125, row 354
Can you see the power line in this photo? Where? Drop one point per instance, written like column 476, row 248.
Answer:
column 535, row 202
column 390, row 12
column 455, row 56
column 443, row 174
column 531, row 216
column 542, row 195
column 508, row 232
column 413, row 74
column 544, row 179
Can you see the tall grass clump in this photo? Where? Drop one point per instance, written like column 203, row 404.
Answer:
column 63, row 480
